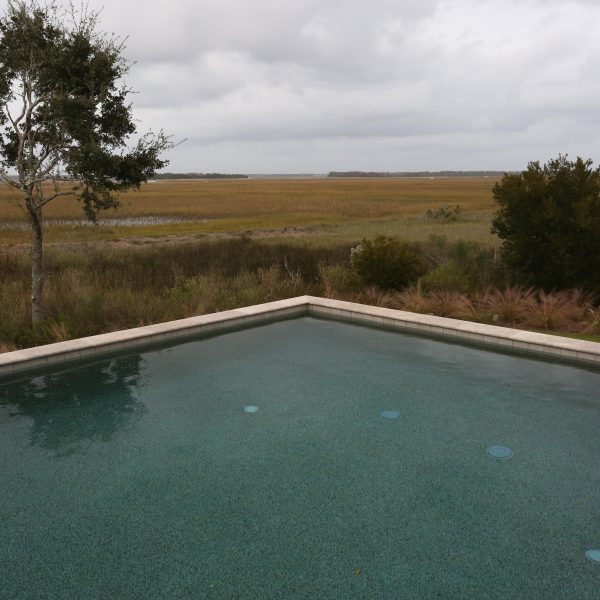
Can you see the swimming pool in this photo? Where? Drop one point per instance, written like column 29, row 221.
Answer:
column 301, row 459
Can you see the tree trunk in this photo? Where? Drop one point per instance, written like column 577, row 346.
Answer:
column 37, row 267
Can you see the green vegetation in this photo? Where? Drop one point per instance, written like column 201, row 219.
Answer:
column 445, row 214
column 92, row 290
column 386, row 262
column 586, row 337
column 241, row 242
column 67, row 119
column 549, row 219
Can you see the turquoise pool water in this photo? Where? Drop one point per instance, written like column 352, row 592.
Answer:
column 360, row 471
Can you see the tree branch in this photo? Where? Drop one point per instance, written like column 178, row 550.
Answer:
column 4, row 175
column 26, row 134
column 43, row 175
column 41, row 171
column 15, row 123
column 20, row 158
column 45, row 153
column 56, row 195
column 30, row 158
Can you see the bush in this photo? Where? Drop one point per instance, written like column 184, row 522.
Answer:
column 549, row 219
column 445, row 214
column 552, row 311
column 375, row 297
column 477, row 308
column 413, row 299
column 446, row 277
column 386, row 262
column 461, row 265
column 337, row 281
column 448, row 303
column 509, row 305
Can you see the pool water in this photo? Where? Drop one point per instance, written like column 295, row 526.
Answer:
column 302, row 459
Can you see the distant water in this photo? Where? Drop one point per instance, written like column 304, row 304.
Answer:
column 117, row 222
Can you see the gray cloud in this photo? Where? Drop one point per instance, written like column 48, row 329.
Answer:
column 314, row 85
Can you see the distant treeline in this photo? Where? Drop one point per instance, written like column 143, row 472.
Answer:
column 200, row 176
column 416, row 174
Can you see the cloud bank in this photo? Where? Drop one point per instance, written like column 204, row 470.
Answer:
column 312, row 86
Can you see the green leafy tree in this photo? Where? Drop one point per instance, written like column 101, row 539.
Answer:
column 549, row 220
column 65, row 120
column 386, row 262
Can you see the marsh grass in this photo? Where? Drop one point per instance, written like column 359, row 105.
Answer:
column 219, row 199
column 93, row 289
column 342, row 208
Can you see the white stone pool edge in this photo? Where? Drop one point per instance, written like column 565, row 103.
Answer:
column 491, row 336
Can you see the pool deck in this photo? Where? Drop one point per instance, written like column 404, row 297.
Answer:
column 490, row 336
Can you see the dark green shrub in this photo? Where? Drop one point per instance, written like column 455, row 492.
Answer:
column 386, row 262
column 549, row 220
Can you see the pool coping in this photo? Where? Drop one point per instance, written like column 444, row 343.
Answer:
column 490, row 336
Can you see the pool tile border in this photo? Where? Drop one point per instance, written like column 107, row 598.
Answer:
column 489, row 336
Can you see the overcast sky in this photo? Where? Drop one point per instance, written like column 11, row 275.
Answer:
column 291, row 86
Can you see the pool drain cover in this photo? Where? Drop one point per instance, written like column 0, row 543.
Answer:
column 593, row 554
column 250, row 409
column 390, row 414
column 499, row 452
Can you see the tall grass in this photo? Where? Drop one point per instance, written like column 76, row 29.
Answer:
column 348, row 208
column 220, row 199
column 92, row 290
column 565, row 310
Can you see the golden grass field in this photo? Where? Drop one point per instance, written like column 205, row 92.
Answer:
column 324, row 208
column 96, row 283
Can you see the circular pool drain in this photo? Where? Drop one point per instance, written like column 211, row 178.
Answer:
column 593, row 554
column 250, row 409
column 499, row 452
column 390, row 414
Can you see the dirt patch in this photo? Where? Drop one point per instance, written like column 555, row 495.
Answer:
column 164, row 240
column 167, row 240
column 249, row 233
